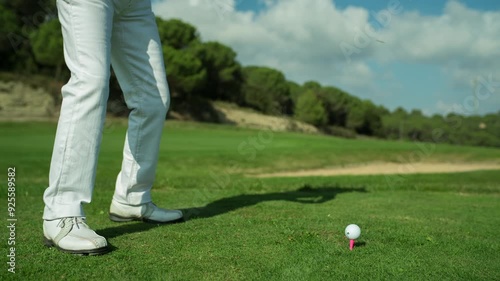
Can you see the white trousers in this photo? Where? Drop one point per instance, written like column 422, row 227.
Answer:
column 97, row 34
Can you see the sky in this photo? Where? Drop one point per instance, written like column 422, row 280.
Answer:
column 435, row 56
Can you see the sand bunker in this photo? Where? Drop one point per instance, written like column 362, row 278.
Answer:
column 387, row 169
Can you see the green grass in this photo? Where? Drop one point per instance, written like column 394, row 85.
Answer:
column 414, row 227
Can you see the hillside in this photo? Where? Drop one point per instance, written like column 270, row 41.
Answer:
column 19, row 101
column 23, row 102
column 247, row 118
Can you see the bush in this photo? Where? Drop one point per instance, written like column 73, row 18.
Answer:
column 340, row 132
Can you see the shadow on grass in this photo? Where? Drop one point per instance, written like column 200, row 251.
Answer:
column 304, row 195
column 125, row 228
column 359, row 244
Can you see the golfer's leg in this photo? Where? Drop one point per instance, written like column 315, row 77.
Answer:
column 138, row 63
column 86, row 26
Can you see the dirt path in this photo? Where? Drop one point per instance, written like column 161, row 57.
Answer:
column 387, row 168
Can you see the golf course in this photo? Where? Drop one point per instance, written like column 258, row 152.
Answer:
column 249, row 218
column 302, row 140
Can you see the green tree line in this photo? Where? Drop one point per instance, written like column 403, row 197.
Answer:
column 199, row 72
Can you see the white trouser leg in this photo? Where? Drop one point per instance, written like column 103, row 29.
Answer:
column 137, row 60
column 87, row 27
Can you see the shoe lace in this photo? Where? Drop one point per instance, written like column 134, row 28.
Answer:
column 72, row 220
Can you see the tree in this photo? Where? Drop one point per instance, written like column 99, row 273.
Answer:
column 224, row 77
column 337, row 105
column 185, row 72
column 265, row 89
column 176, row 33
column 9, row 30
column 355, row 116
column 416, row 113
column 47, row 45
column 310, row 109
column 295, row 90
column 372, row 125
column 31, row 13
column 312, row 85
column 401, row 113
column 365, row 118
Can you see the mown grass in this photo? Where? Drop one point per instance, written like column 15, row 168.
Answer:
column 414, row 227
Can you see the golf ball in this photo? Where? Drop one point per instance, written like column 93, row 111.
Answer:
column 352, row 231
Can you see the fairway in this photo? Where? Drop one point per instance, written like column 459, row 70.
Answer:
column 413, row 226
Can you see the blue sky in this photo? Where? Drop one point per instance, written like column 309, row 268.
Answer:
column 422, row 55
column 428, row 7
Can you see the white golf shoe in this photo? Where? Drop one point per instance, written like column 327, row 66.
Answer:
column 147, row 212
column 73, row 235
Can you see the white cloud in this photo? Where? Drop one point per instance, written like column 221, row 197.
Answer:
column 299, row 37
column 303, row 38
column 460, row 35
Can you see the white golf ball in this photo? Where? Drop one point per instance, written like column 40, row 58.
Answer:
column 352, row 231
